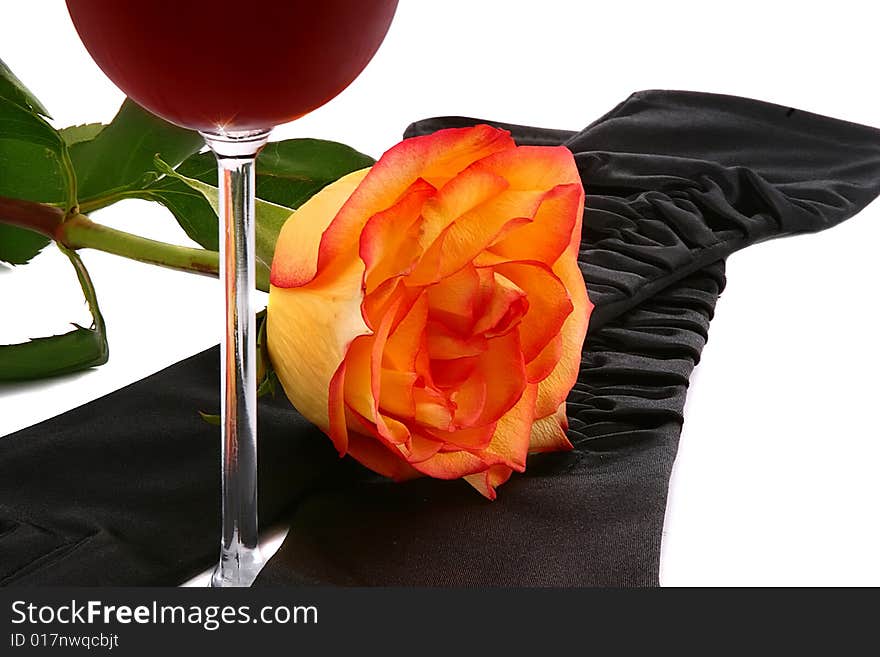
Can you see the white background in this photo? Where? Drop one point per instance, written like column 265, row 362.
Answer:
column 775, row 482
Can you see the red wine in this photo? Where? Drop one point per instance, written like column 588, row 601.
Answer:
column 231, row 64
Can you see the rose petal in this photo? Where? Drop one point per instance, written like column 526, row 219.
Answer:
column 471, row 394
column 443, row 344
column 375, row 305
column 433, row 409
column 338, row 428
column 510, row 442
column 546, row 237
column 389, row 239
column 549, row 304
column 392, row 292
column 358, row 382
column 450, row 465
column 451, row 374
column 553, row 390
column 502, row 365
column 473, row 439
column 471, row 188
column 505, row 308
column 361, row 391
column 453, row 300
column 395, row 435
column 296, row 251
column 534, row 167
column 405, row 343
column 379, row 458
column 545, row 362
column 548, row 433
column 397, row 393
column 306, row 360
column 471, row 233
column 489, row 479
column 434, row 158
column 392, row 429
column 420, row 448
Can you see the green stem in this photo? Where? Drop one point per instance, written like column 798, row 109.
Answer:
column 79, row 232
column 89, row 205
column 88, row 289
column 76, row 231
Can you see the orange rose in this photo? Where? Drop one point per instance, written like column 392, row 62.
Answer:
column 428, row 313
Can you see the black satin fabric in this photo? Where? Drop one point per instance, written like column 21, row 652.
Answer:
column 124, row 490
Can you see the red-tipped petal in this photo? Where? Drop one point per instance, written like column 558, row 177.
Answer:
column 379, row 458
column 472, row 233
column 338, row 430
column 534, row 167
column 553, row 390
column 470, row 189
column 547, row 236
column 434, row 158
column 451, row 374
column 390, row 239
column 296, row 251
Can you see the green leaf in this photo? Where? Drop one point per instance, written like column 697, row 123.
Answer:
column 267, row 379
column 34, row 161
column 119, row 158
column 18, row 246
column 34, row 166
column 40, row 358
column 12, row 89
column 269, row 220
column 288, row 174
column 76, row 350
column 211, row 418
column 193, row 211
column 77, row 133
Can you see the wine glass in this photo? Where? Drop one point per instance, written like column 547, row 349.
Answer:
column 232, row 70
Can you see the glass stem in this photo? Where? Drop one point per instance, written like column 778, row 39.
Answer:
column 240, row 558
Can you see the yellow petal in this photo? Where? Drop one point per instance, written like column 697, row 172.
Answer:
column 548, row 433
column 309, row 330
column 487, row 481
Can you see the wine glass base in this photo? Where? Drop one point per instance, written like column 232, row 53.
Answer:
column 238, row 569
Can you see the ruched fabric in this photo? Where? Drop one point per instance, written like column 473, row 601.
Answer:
column 124, row 490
